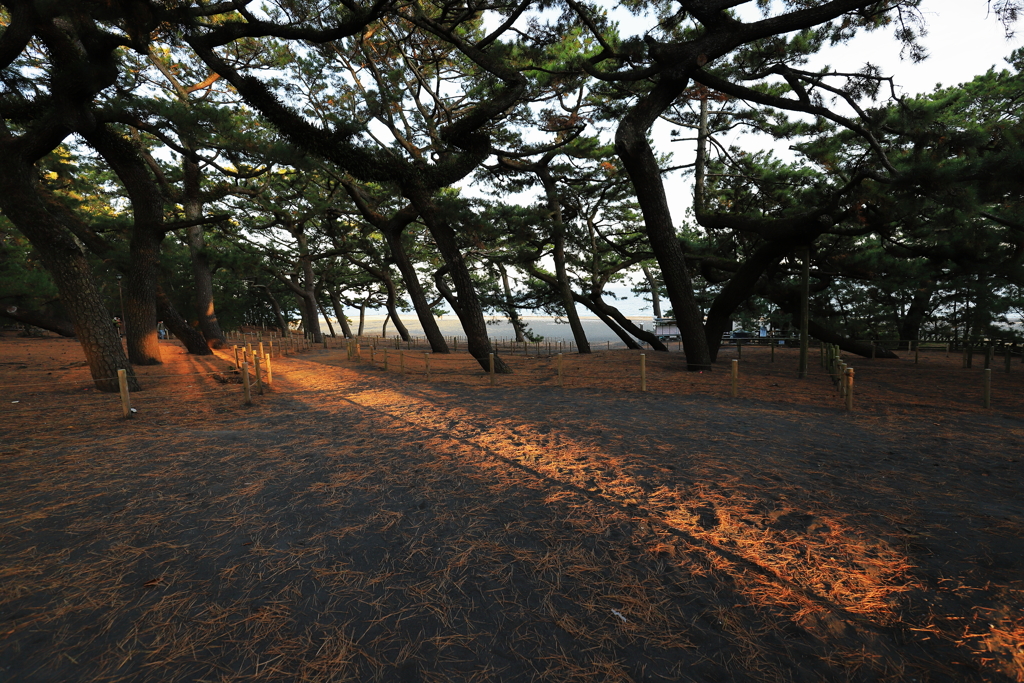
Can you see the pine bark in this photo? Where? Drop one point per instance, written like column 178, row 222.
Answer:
column 68, row 266
column 638, row 157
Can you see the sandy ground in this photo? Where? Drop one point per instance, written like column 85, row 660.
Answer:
column 356, row 524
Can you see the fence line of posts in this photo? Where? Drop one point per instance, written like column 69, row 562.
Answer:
column 253, row 361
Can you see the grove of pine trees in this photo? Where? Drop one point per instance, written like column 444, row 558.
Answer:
column 212, row 164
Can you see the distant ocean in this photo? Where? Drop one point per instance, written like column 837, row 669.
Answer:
column 552, row 329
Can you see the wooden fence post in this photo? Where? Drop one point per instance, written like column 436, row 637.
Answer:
column 987, row 397
column 246, row 390
column 849, row 388
column 735, row 390
column 643, row 372
column 126, row 401
column 270, row 374
column 236, row 357
column 490, row 362
column 259, row 375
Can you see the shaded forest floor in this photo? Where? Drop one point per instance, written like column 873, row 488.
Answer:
column 368, row 526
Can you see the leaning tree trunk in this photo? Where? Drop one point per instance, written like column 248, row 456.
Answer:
column 40, row 319
column 339, row 312
column 652, row 283
column 69, row 268
column 362, row 319
column 327, row 319
column 424, row 312
column 191, row 337
column 558, row 254
column 467, row 304
column 513, row 314
column 282, row 323
column 391, row 305
column 910, row 326
column 640, row 162
column 627, row 324
column 741, row 286
column 791, row 304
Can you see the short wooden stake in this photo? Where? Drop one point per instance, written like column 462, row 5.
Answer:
column 248, row 350
column 735, row 390
column 270, row 348
column 842, row 379
column 490, row 363
column 849, row 388
column 561, row 378
column 262, row 355
column 259, row 375
column 987, row 398
column 237, row 363
column 246, row 389
column 126, row 401
column 643, row 372
column 269, row 373
column 426, row 364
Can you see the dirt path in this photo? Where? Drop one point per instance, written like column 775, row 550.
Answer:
column 357, row 525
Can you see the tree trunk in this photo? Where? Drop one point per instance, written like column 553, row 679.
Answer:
column 41, row 319
column 202, row 272
column 513, row 314
column 362, row 318
column 144, row 248
column 69, row 268
column 910, row 326
column 640, row 162
column 655, row 294
column 565, row 292
column 626, row 323
column 339, row 312
column 191, row 337
column 467, row 306
column 791, row 303
column 741, row 286
column 392, row 306
column 282, row 323
column 415, row 290
column 327, row 319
